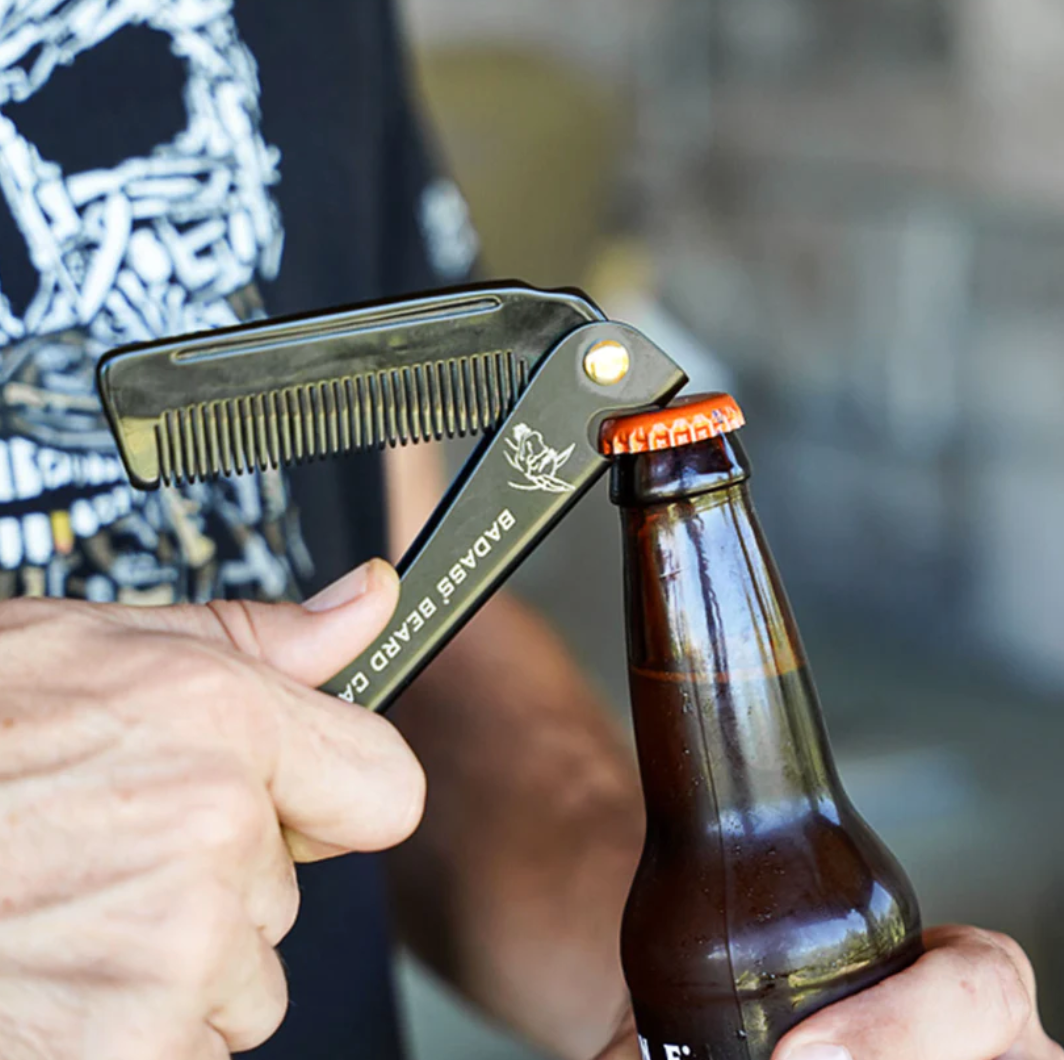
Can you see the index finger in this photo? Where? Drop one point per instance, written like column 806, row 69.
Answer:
column 342, row 778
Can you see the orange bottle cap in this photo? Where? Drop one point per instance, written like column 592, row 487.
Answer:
column 684, row 422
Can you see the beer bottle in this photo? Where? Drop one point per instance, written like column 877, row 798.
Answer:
column 761, row 895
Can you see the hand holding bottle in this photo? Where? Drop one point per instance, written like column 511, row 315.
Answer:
column 970, row 997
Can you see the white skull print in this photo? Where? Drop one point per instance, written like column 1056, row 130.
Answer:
column 159, row 244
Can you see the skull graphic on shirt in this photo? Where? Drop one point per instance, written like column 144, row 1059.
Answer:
column 168, row 242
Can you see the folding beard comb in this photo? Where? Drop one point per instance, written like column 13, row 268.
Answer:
column 534, row 371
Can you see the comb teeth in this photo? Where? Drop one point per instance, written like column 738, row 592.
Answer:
column 294, row 424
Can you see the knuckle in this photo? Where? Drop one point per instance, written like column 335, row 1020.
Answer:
column 387, row 745
column 1016, row 1003
column 272, row 1008
column 231, row 695
column 402, row 779
column 287, row 906
column 1010, row 980
column 154, row 665
column 206, row 676
column 1015, row 953
column 397, row 819
column 201, row 934
column 248, row 1020
column 266, row 1023
column 274, row 903
column 222, row 693
column 414, row 808
column 146, row 668
column 231, row 814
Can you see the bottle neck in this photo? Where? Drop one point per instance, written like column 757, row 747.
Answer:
column 723, row 706
column 653, row 478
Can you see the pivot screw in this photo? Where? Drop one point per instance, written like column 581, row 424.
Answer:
column 607, row 363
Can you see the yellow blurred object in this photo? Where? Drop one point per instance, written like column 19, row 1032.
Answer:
column 62, row 533
column 534, row 145
column 623, row 271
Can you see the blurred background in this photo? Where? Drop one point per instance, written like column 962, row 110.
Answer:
column 851, row 213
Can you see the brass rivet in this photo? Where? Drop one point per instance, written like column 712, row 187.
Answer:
column 607, row 363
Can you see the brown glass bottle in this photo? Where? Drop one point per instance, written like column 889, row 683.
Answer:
column 761, row 895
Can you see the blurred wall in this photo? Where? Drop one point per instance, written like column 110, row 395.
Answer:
column 859, row 206
column 873, row 239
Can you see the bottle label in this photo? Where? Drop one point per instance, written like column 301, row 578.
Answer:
column 667, row 1052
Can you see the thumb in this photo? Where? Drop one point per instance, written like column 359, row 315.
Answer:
column 309, row 642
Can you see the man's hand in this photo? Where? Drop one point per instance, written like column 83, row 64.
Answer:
column 159, row 771
column 970, row 997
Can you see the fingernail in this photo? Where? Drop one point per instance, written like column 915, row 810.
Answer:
column 373, row 575
column 818, row 1052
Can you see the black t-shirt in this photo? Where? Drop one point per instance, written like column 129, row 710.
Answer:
column 173, row 165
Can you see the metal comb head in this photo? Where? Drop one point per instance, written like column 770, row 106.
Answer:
column 447, row 398
column 279, row 392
